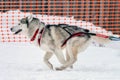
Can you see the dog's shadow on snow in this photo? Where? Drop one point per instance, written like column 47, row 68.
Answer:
column 81, row 69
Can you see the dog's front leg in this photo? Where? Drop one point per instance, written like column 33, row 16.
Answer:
column 47, row 56
column 68, row 63
column 60, row 56
column 68, row 59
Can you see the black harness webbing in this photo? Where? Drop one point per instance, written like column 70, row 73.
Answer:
column 79, row 34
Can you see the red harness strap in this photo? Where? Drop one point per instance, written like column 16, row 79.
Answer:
column 81, row 34
column 35, row 34
column 101, row 35
column 73, row 35
column 40, row 35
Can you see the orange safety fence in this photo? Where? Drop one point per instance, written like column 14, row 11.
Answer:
column 103, row 13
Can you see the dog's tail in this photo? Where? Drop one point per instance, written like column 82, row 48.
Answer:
column 101, row 39
column 98, row 37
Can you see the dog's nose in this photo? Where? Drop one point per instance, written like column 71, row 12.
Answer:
column 11, row 29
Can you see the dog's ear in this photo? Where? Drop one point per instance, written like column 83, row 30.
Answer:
column 30, row 18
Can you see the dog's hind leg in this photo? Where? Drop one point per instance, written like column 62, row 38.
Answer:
column 73, row 47
column 47, row 56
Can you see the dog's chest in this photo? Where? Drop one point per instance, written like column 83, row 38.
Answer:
column 47, row 43
column 45, row 47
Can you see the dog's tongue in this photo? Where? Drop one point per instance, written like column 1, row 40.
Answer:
column 18, row 31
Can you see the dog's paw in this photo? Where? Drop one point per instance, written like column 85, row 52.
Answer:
column 51, row 67
column 71, row 67
column 60, row 68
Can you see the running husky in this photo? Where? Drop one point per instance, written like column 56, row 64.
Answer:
column 54, row 38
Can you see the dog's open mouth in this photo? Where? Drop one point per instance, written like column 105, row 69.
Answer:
column 18, row 31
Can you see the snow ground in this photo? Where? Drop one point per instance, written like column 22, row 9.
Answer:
column 21, row 61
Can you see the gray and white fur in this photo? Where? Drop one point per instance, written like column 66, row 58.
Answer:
column 52, row 39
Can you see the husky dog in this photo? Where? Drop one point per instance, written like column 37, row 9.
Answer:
column 54, row 38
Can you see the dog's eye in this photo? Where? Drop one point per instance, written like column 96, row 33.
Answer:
column 23, row 21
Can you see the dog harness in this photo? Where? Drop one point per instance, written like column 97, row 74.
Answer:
column 78, row 34
column 73, row 35
column 40, row 35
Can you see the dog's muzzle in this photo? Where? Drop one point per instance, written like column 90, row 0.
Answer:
column 18, row 31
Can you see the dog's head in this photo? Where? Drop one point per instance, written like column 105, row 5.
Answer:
column 22, row 26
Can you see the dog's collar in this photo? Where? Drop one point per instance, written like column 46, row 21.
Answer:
column 36, row 33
